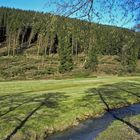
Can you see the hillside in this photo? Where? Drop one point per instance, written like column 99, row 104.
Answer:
column 35, row 45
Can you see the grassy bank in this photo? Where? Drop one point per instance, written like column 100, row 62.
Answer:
column 35, row 109
column 120, row 131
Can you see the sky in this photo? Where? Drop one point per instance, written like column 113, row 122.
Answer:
column 37, row 5
column 43, row 6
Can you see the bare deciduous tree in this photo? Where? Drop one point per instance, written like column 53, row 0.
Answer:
column 97, row 10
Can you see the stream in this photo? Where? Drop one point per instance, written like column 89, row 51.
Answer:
column 90, row 129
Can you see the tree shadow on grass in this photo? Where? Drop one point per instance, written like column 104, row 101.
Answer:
column 14, row 101
column 128, row 87
column 108, row 93
column 49, row 100
column 10, row 95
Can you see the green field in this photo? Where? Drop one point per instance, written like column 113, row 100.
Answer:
column 35, row 109
column 120, row 131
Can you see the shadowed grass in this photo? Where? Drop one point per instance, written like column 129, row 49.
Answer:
column 36, row 109
column 119, row 131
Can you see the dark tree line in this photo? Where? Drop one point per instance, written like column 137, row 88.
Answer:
column 51, row 34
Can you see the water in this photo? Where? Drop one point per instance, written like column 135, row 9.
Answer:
column 89, row 129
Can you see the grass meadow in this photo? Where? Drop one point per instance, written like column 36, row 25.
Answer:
column 32, row 110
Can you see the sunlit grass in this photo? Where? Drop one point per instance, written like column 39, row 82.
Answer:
column 58, row 104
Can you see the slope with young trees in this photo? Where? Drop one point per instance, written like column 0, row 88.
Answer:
column 49, row 35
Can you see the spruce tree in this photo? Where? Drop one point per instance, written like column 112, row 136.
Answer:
column 129, row 55
column 65, row 52
column 92, row 60
column 92, row 55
